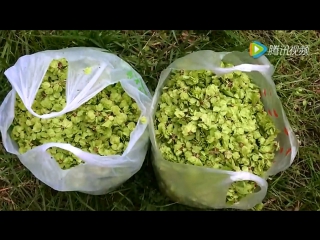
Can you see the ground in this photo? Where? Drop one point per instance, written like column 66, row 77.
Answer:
column 149, row 52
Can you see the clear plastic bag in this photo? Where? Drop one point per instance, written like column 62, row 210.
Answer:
column 99, row 174
column 206, row 187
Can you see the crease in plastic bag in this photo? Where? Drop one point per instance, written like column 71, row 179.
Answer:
column 206, row 187
column 99, row 174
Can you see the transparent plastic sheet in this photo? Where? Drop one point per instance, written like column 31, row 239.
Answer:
column 99, row 174
column 206, row 187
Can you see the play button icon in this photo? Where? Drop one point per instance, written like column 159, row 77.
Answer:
column 257, row 49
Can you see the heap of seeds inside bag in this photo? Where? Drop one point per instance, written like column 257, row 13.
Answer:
column 216, row 122
column 101, row 126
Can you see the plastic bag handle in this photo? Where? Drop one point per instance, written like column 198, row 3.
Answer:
column 85, row 156
column 262, row 183
column 72, row 104
column 264, row 69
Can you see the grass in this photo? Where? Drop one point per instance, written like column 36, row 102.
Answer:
column 149, row 52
